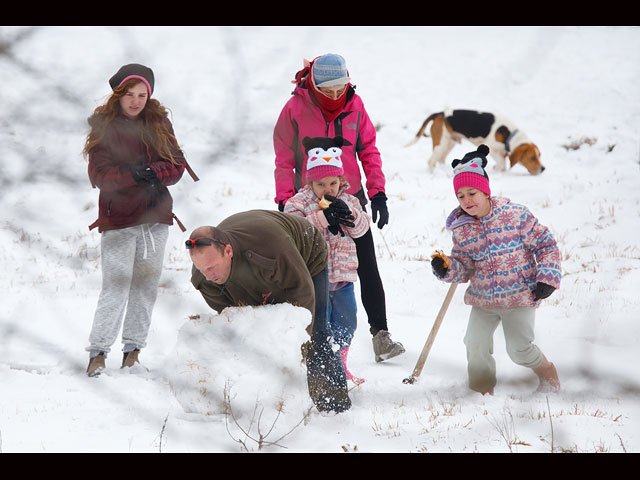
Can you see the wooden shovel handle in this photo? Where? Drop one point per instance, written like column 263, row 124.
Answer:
column 434, row 331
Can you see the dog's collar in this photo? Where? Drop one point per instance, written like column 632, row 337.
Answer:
column 509, row 138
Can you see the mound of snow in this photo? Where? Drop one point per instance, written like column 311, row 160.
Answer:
column 251, row 352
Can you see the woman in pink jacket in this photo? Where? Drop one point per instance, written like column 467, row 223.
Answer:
column 323, row 201
column 511, row 261
column 324, row 104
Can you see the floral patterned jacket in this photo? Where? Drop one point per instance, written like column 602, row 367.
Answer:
column 503, row 255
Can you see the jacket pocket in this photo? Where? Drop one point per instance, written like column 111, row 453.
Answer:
column 264, row 263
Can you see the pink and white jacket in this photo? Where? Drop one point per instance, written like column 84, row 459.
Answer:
column 301, row 118
column 503, row 255
column 343, row 259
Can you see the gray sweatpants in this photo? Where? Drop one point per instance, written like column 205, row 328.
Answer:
column 132, row 261
column 517, row 324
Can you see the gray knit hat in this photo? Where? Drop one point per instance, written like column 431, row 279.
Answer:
column 330, row 70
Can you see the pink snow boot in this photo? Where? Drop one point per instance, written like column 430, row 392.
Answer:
column 343, row 355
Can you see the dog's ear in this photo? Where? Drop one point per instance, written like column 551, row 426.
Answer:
column 455, row 162
column 513, row 159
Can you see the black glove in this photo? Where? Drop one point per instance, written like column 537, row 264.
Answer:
column 542, row 291
column 379, row 205
column 146, row 177
column 337, row 214
column 144, row 173
column 438, row 266
column 336, row 229
column 281, row 205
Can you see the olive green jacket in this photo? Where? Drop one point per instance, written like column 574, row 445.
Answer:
column 275, row 256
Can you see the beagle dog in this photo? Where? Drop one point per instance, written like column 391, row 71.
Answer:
column 498, row 132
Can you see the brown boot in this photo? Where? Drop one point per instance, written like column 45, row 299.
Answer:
column 130, row 358
column 548, row 376
column 96, row 365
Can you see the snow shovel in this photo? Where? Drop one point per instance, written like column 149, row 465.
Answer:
column 432, row 336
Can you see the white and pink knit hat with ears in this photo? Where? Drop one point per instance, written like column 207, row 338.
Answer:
column 323, row 157
column 133, row 70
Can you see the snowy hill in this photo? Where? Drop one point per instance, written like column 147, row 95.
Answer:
column 573, row 90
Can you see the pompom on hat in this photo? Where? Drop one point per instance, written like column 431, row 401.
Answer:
column 469, row 172
column 330, row 70
column 133, row 70
column 324, row 157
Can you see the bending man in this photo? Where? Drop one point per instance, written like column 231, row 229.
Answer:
column 264, row 257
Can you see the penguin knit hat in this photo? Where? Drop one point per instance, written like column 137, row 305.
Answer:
column 133, row 70
column 330, row 70
column 323, row 157
column 469, row 172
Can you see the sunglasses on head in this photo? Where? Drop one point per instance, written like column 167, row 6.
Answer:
column 201, row 242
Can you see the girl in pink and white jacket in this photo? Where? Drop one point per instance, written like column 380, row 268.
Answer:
column 512, row 263
column 342, row 220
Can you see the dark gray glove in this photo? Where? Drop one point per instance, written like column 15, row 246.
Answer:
column 542, row 291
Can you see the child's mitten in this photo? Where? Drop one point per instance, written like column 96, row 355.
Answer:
column 440, row 263
column 542, row 291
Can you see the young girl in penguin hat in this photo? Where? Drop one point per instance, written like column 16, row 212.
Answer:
column 512, row 263
column 323, row 201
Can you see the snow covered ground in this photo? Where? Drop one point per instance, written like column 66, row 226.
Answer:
column 573, row 90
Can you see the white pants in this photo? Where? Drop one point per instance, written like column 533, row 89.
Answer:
column 517, row 324
column 132, row 261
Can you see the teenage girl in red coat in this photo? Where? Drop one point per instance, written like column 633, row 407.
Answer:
column 133, row 156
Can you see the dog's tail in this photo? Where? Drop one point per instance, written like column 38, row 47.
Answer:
column 420, row 133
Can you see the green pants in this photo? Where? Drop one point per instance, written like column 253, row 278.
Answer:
column 517, row 324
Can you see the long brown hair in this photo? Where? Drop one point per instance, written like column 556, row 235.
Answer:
column 153, row 134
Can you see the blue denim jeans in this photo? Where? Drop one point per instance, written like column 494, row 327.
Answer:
column 342, row 311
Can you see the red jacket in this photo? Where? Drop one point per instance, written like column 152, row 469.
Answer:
column 122, row 202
